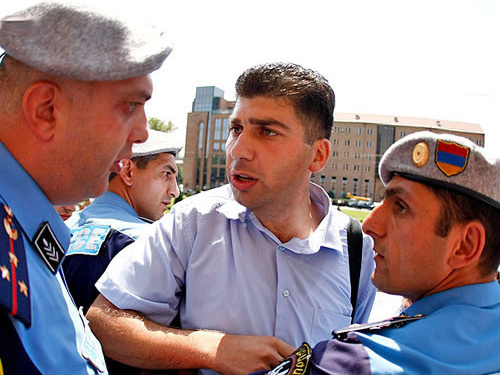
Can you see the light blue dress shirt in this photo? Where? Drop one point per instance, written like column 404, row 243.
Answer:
column 212, row 260
column 59, row 338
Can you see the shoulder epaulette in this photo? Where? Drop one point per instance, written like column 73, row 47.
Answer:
column 395, row 322
column 14, row 281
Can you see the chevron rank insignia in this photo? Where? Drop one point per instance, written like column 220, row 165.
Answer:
column 48, row 247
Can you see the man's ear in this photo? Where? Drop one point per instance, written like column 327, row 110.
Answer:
column 469, row 244
column 127, row 172
column 321, row 151
column 39, row 111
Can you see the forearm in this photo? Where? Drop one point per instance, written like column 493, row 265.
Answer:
column 130, row 338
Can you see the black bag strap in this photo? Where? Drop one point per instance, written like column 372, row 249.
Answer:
column 355, row 249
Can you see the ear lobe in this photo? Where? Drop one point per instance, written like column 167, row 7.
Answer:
column 469, row 246
column 321, row 149
column 38, row 107
column 127, row 171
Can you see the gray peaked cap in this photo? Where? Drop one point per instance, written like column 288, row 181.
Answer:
column 444, row 160
column 157, row 143
column 77, row 42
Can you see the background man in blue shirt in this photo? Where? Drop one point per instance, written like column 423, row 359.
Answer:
column 437, row 242
column 73, row 88
column 255, row 267
column 137, row 196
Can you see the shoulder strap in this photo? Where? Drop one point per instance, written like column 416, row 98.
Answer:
column 355, row 249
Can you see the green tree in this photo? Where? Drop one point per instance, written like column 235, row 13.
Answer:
column 158, row 124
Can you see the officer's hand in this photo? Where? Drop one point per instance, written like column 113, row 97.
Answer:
column 237, row 354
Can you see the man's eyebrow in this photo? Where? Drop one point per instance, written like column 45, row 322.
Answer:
column 170, row 168
column 392, row 191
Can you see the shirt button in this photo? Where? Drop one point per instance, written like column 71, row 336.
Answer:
column 282, row 248
column 286, row 293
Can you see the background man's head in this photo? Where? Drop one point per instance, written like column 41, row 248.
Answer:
column 74, row 84
column 308, row 91
column 148, row 181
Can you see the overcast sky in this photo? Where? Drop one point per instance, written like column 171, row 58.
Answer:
column 435, row 59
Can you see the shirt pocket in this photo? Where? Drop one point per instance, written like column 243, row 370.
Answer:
column 324, row 322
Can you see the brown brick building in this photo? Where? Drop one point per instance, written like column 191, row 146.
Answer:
column 358, row 142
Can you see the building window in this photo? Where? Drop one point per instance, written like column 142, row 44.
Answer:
column 346, row 167
column 216, row 146
column 334, row 130
column 335, row 141
column 225, row 128
column 344, row 186
column 369, row 131
column 358, row 131
column 333, row 186
column 358, row 143
column 217, row 129
column 367, row 168
column 357, row 155
column 402, row 134
column 368, row 144
column 347, row 142
column 366, row 188
column 355, row 186
column 334, row 166
column 202, row 135
column 215, row 159
column 335, row 153
column 356, row 168
column 322, row 180
column 479, row 142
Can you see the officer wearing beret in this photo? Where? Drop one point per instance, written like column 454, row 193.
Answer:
column 436, row 242
column 73, row 87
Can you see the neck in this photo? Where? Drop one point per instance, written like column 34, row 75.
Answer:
column 300, row 222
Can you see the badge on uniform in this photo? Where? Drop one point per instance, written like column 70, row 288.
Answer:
column 14, row 281
column 297, row 363
column 48, row 247
column 451, row 158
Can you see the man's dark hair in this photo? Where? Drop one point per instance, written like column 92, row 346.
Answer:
column 309, row 92
column 459, row 208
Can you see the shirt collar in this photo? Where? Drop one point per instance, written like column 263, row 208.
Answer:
column 28, row 202
column 323, row 236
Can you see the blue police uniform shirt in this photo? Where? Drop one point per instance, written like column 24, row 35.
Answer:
column 57, row 338
column 98, row 233
column 212, row 260
column 459, row 335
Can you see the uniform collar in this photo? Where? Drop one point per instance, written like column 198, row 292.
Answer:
column 481, row 295
column 28, row 202
column 115, row 200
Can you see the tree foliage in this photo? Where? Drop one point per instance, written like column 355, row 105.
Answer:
column 158, row 124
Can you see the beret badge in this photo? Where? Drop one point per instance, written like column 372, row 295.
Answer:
column 451, row 158
column 420, row 154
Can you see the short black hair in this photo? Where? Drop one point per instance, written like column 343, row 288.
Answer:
column 308, row 91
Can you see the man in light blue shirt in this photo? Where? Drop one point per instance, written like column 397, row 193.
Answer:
column 255, row 267
column 437, row 243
